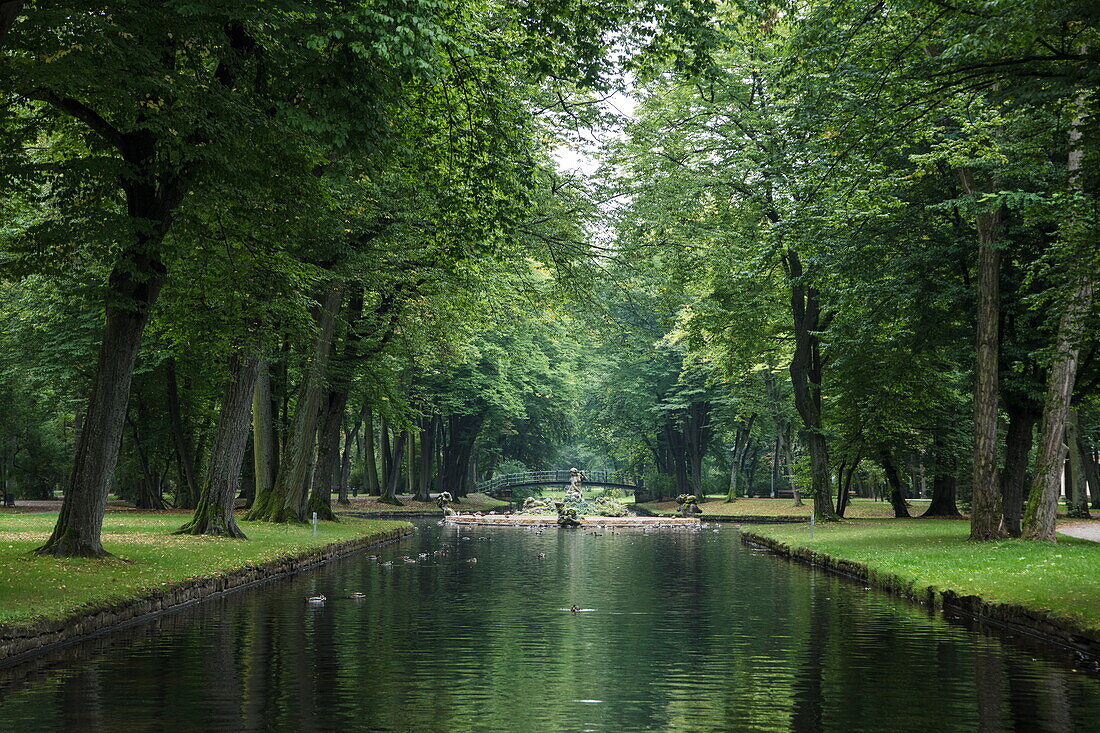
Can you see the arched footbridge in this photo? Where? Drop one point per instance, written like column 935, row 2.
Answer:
column 507, row 484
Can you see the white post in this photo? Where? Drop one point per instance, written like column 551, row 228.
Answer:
column 811, row 524
column 314, row 524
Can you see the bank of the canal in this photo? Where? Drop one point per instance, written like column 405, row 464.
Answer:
column 46, row 602
column 1039, row 589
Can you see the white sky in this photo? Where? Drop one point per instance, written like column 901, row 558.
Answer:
column 580, row 161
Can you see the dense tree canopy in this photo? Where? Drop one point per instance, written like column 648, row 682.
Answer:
column 255, row 253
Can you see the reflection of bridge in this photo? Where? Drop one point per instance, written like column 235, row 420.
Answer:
column 508, row 482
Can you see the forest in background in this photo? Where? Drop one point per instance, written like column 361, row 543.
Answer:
column 269, row 250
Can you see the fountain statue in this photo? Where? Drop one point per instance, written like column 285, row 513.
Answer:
column 443, row 502
column 576, row 479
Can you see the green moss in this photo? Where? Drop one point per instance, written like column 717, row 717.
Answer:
column 1062, row 579
column 147, row 556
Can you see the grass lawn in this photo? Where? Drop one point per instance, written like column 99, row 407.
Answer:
column 744, row 507
column 1062, row 578
column 471, row 503
column 148, row 556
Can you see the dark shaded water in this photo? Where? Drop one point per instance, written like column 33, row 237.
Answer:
column 688, row 632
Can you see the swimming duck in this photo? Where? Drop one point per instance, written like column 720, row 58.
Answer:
column 357, row 595
column 316, row 600
column 472, row 559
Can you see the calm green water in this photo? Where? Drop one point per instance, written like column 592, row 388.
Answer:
column 687, row 632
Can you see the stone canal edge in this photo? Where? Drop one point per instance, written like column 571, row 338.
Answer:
column 19, row 642
column 1022, row 620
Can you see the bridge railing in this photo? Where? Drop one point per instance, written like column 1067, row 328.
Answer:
column 531, row 478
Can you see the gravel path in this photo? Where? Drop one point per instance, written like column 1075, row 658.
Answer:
column 1084, row 530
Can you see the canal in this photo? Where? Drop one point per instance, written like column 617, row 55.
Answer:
column 679, row 631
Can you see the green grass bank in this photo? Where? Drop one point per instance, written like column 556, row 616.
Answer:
column 714, row 506
column 151, row 561
column 1049, row 588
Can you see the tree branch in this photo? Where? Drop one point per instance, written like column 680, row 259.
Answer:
column 84, row 113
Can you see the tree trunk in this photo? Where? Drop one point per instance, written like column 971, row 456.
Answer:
column 750, row 470
column 1018, row 439
column 133, row 288
column 286, row 501
column 328, row 455
column 741, row 439
column 410, row 463
column 148, row 493
column 351, row 438
column 1089, row 469
column 986, row 520
column 788, row 460
column 462, row 432
column 189, row 494
column 1077, row 498
column 370, row 460
column 265, row 442
column 944, row 480
column 429, row 428
column 897, row 495
column 214, row 513
column 844, row 482
column 678, row 456
column 385, row 449
column 1042, row 502
column 775, row 466
column 393, row 480
column 697, row 432
column 806, row 374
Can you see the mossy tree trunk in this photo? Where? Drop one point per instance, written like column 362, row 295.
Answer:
column 806, row 370
column 1042, row 502
column 286, row 502
column 214, row 514
column 328, row 454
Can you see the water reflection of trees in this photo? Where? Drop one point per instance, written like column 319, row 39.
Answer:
column 709, row 636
